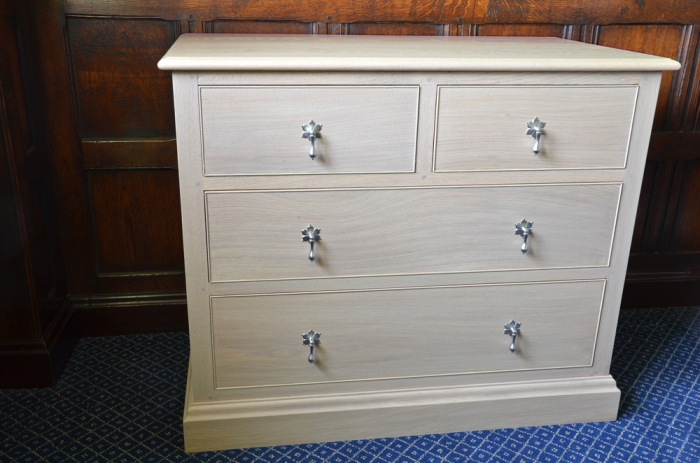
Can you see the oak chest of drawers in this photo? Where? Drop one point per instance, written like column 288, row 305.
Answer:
column 465, row 207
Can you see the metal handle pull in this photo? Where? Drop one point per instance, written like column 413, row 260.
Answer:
column 536, row 129
column 312, row 131
column 311, row 235
column 512, row 329
column 311, row 339
column 524, row 229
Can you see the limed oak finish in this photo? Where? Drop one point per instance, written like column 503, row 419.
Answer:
column 417, row 267
column 365, row 129
column 390, row 231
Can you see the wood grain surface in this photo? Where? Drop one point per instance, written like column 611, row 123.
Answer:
column 34, row 342
column 484, row 128
column 256, row 236
column 201, row 52
column 257, row 130
column 403, row 333
column 466, row 12
column 294, row 420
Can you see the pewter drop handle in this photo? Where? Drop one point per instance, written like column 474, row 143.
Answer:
column 312, row 150
column 312, row 254
column 312, row 131
column 524, row 247
column 536, row 148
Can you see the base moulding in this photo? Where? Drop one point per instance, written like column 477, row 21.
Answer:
column 296, row 420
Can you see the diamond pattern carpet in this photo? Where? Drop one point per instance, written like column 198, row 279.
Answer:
column 121, row 399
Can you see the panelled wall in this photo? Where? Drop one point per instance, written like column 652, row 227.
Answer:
column 35, row 343
column 112, row 134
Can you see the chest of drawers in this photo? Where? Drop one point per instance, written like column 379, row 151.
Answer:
column 465, row 207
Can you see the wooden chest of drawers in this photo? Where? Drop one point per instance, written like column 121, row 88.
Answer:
column 465, row 206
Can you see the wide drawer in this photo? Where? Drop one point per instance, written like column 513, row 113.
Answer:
column 404, row 332
column 484, row 128
column 258, row 130
column 397, row 231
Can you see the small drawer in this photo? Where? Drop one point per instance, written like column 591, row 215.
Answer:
column 258, row 130
column 485, row 128
column 398, row 231
column 403, row 333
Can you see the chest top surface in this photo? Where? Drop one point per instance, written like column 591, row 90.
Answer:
column 231, row 52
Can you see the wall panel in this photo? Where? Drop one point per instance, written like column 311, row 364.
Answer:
column 523, row 30
column 124, row 106
column 397, row 28
column 660, row 40
column 120, row 91
column 34, row 307
column 115, row 172
column 684, row 231
column 137, row 223
column 259, row 27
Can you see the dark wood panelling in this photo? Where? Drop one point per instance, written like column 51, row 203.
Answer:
column 125, row 110
column 16, row 322
column 587, row 12
column 691, row 114
column 660, row 40
column 670, row 146
column 34, row 310
column 522, row 30
column 683, row 234
column 660, row 290
column 34, row 363
column 393, row 29
column 56, row 112
column 668, row 152
column 130, row 154
column 130, row 314
column 652, row 206
column 137, row 221
column 681, row 99
column 135, row 283
column 259, row 27
column 121, row 92
column 438, row 11
column 27, row 189
column 314, row 11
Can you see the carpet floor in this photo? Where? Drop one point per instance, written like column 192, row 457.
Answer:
column 121, row 398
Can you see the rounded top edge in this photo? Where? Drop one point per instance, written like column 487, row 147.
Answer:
column 231, row 52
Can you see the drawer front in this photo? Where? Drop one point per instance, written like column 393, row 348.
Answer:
column 396, row 231
column 403, row 333
column 485, row 128
column 258, row 130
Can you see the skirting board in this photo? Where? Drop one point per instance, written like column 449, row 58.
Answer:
column 298, row 420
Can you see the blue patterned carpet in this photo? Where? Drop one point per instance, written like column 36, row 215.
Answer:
column 120, row 399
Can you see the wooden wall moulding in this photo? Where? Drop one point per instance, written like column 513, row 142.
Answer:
column 442, row 11
column 35, row 341
column 110, row 124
